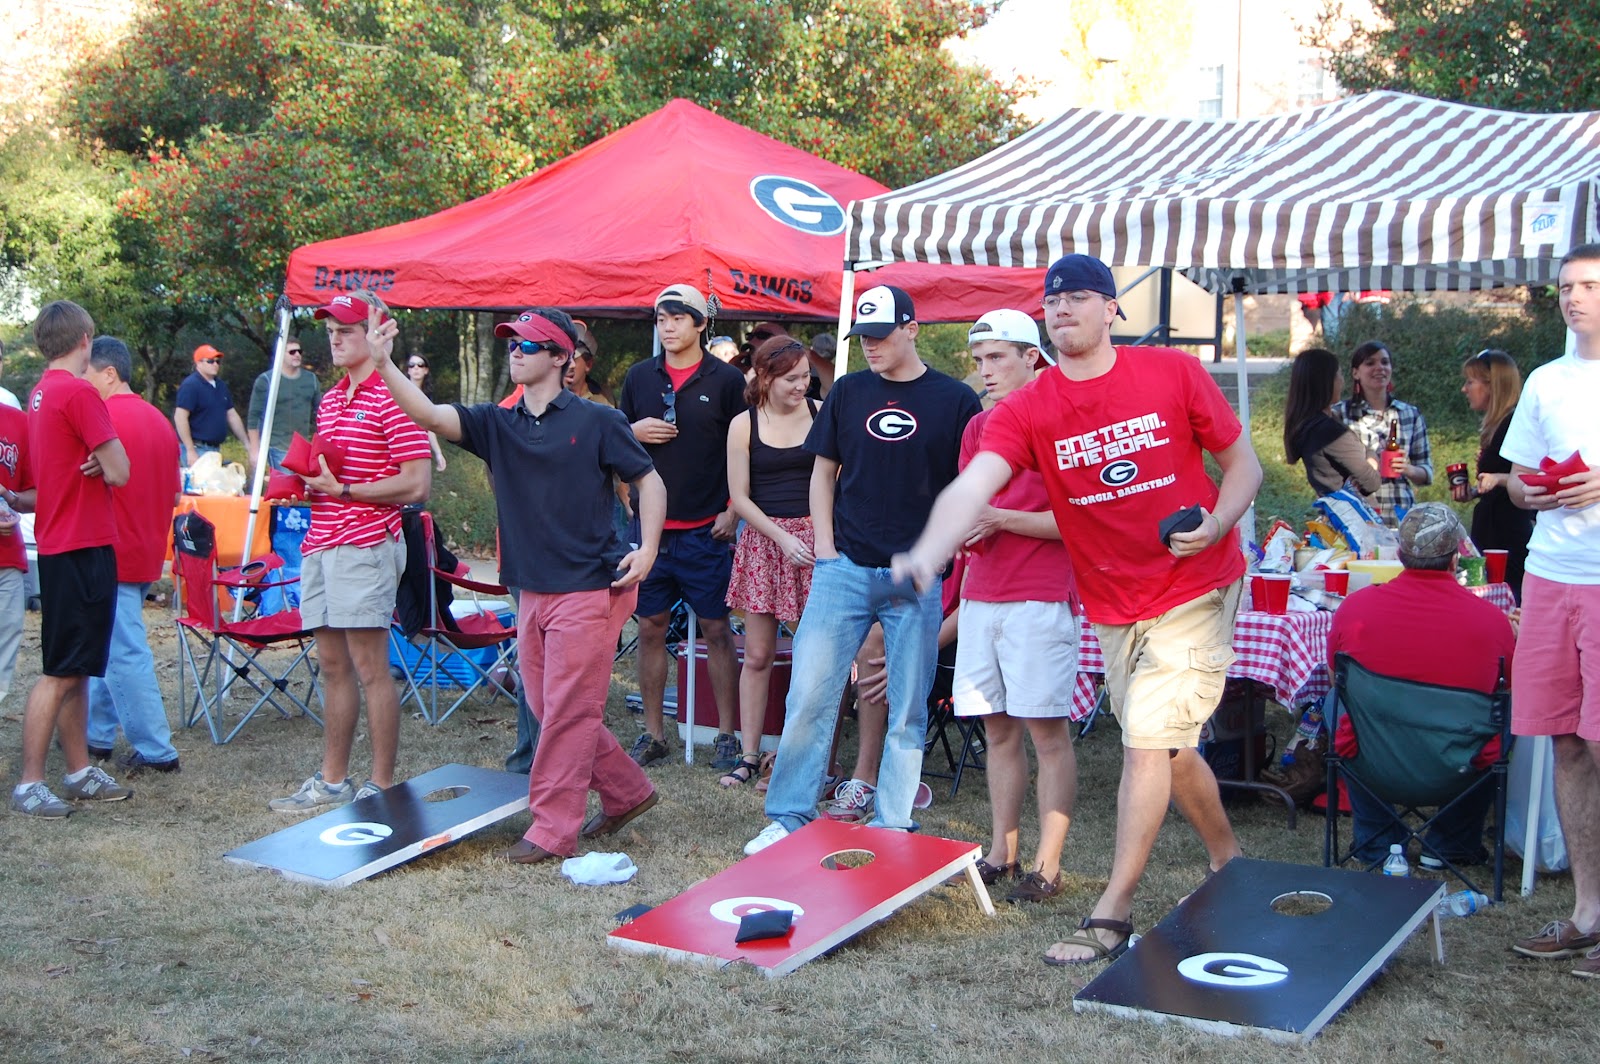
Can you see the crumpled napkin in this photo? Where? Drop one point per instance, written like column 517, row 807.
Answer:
column 599, row 869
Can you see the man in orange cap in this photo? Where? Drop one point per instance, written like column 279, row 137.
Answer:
column 205, row 415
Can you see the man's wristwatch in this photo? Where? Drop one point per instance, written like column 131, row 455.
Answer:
column 344, row 492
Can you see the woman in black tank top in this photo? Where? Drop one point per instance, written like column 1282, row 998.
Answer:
column 769, row 479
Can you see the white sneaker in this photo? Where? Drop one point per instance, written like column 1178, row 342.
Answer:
column 769, row 835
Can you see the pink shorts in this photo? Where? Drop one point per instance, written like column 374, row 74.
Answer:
column 1555, row 681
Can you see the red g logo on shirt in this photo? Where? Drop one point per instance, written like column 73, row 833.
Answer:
column 892, row 425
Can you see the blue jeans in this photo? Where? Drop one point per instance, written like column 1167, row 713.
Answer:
column 1457, row 836
column 837, row 616
column 275, row 457
column 128, row 694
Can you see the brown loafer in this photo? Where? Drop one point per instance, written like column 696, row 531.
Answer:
column 525, row 852
column 1034, row 887
column 601, row 824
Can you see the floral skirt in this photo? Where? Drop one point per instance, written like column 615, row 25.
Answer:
column 763, row 580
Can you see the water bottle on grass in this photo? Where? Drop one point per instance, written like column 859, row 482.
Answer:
column 1396, row 864
column 1462, row 903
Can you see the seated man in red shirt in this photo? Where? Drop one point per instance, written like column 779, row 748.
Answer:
column 1424, row 626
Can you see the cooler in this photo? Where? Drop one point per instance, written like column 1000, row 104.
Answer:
column 705, row 704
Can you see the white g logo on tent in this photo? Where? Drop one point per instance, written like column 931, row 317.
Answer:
column 732, row 910
column 1238, row 970
column 798, row 204
column 358, row 834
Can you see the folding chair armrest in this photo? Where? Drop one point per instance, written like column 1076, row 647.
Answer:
column 250, row 575
column 471, row 585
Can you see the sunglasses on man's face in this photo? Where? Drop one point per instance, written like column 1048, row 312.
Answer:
column 210, row 361
column 529, row 347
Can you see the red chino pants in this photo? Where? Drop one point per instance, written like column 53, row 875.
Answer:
column 564, row 650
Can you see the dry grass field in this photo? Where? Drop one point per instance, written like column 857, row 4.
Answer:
column 126, row 937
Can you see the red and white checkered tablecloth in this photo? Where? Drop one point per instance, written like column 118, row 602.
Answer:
column 1288, row 652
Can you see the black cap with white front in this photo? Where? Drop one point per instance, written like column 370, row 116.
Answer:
column 882, row 310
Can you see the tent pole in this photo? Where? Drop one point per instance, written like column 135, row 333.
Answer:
column 259, row 476
column 686, row 691
column 847, row 303
column 1247, row 523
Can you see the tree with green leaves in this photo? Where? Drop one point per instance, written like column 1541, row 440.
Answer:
column 1514, row 55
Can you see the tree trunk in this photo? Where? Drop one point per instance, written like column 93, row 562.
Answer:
column 476, row 350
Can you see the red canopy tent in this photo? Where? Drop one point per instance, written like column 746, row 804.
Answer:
column 679, row 195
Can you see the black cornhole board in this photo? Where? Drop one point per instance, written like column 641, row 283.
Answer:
column 356, row 841
column 1252, row 970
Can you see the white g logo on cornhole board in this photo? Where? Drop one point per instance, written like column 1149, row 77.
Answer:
column 358, row 834
column 732, row 910
column 1237, row 970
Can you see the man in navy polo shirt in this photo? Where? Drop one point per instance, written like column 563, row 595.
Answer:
column 577, row 582
column 204, row 415
column 680, row 404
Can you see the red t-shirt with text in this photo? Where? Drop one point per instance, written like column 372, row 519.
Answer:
column 1007, row 567
column 66, row 421
column 16, row 475
column 144, row 503
column 1118, row 453
column 376, row 437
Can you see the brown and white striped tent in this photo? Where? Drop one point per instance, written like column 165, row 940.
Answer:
column 1382, row 190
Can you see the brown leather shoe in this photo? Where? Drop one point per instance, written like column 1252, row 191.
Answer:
column 1034, row 887
column 525, row 852
column 600, row 824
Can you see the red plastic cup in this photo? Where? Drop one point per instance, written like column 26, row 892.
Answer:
column 1494, row 565
column 1274, row 593
column 1336, row 581
column 1392, row 464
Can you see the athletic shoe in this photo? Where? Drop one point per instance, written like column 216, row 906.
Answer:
column 769, row 835
column 367, row 790
column 38, row 800
column 648, row 750
column 313, row 794
column 852, row 802
column 97, row 786
column 136, row 764
column 725, row 753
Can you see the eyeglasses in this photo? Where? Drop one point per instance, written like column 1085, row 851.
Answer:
column 210, row 361
column 1070, row 299
column 529, row 347
column 416, row 365
column 670, row 416
column 294, row 351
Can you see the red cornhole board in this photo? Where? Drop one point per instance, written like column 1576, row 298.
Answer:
column 831, row 905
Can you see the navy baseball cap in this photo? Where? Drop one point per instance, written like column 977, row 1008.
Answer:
column 1081, row 273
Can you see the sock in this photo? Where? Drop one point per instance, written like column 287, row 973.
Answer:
column 17, row 791
column 75, row 777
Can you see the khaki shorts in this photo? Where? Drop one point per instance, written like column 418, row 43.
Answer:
column 1165, row 675
column 351, row 587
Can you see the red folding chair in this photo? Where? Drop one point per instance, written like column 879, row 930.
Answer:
column 449, row 651
column 219, row 653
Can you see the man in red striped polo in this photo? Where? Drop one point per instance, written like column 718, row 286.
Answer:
column 354, row 554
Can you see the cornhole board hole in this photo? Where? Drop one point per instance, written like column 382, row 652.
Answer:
column 815, row 873
column 1230, row 960
column 356, row 841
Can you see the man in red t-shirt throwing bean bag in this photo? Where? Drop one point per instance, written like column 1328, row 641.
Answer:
column 77, row 460
column 1120, row 436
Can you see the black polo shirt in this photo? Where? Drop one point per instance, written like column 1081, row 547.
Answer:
column 552, row 488
column 694, row 464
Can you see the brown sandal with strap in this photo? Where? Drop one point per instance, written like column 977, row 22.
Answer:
column 745, row 771
column 1102, row 952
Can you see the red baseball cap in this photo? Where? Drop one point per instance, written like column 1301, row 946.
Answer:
column 206, row 351
column 348, row 310
column 536, row 327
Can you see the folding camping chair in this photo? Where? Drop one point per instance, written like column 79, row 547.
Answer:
column 1417, row 744
column 471, row 649
column 219, row 653
column 942, row 717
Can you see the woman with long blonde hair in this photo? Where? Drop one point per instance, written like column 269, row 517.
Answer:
column 1492, row 385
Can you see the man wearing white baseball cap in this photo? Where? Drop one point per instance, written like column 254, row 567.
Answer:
column 1017, row 634
column 886, row 441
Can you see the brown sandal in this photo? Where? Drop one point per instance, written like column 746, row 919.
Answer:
column 745, row 771
column 1102, row 952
